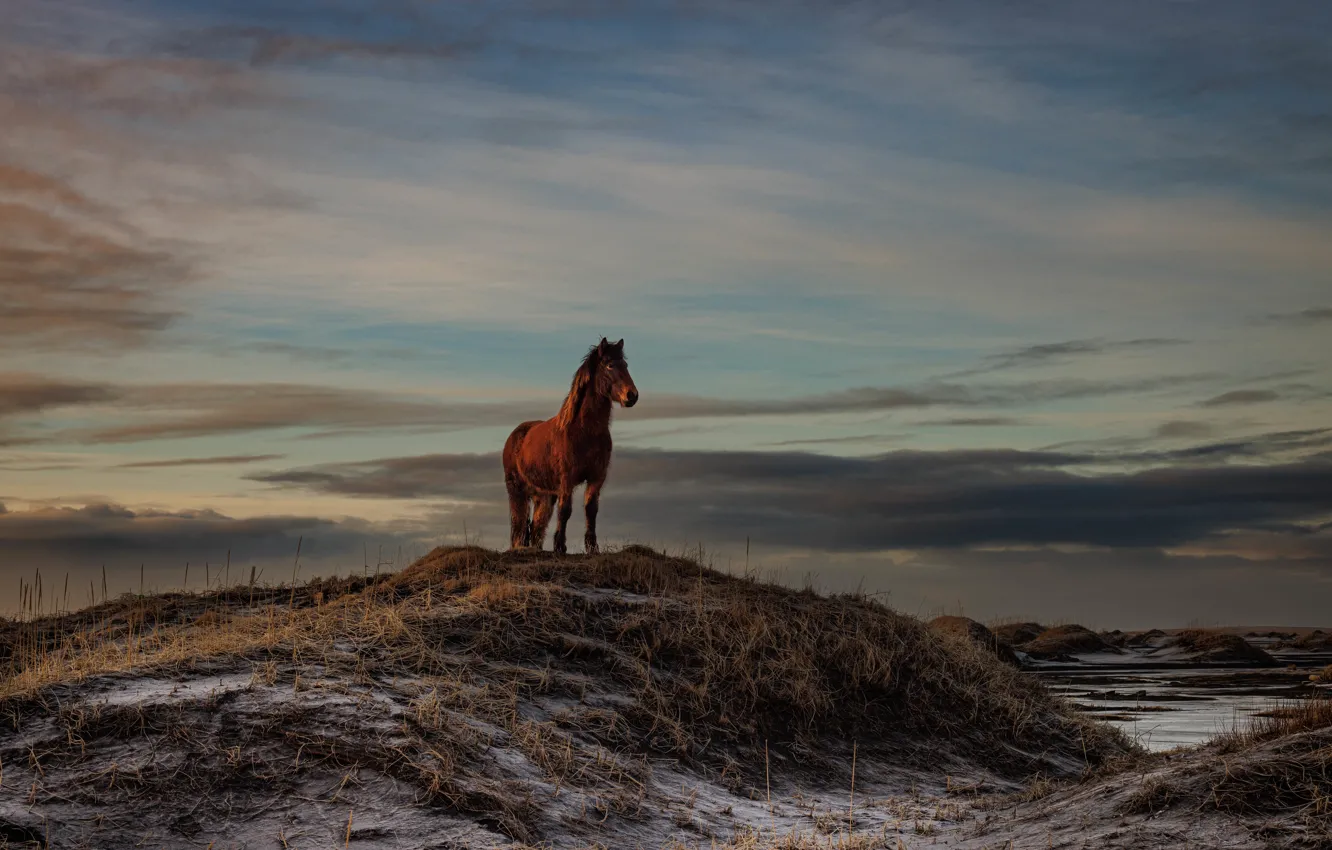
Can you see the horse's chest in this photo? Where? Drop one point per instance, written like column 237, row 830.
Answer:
column 589, row 456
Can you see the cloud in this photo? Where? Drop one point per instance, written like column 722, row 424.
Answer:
column 73, row 273
column 926, row 395
column 197, row 410
column 847, row 440
column 975, row 422
column 22, row 393
column 900, row 500
column 1311, row 316
column 1120, row 588
column 80, row 540
column 225, row 460
column 1092, row 585
column 1301, row 445
column 453, row 476
column 72, row 89
column 1058, row 352
column 1183, row 428
column 261, row 46
column 1239, row 397
column 1255, row 93
column 93, row 152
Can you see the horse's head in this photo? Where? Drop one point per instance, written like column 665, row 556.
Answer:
column 612, row 374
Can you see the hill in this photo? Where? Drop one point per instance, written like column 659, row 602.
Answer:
column 482, row 699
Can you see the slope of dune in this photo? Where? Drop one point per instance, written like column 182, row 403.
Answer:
column 482, row 699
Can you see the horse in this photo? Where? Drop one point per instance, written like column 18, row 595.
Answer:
column 545, row 460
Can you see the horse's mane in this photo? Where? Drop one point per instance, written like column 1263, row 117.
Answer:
column 582, row 379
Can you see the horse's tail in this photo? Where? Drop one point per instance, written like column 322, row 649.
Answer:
column 520, row 524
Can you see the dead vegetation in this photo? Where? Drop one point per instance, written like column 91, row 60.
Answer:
column 967, row 628
column 1214, row 646
column 1014, row 634
column 524, row 696
column 1314, row 641
column 1060, row 643
column 1274, row 773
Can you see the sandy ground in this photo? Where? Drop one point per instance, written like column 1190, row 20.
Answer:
column 101, row 789
column 516, row 734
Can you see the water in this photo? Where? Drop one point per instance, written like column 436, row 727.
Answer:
column 1167, row 708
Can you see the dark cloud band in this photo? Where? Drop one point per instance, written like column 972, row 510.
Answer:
column 949, row 499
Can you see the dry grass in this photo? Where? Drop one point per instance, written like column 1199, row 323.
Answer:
column 1306, row 715
column 652, row 657
column 968, row 629
column 1276, row 772
column 1015, row 633
column 1064, row 640
column 1216, row 645
column 1314, row 640
column 812, row 840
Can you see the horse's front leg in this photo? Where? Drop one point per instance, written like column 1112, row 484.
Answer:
column 562, row 519
column 591, row 502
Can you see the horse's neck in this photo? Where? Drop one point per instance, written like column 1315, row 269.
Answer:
column 584, row 410
column 594, row 414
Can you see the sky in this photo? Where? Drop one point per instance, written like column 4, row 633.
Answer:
column 1009, row 309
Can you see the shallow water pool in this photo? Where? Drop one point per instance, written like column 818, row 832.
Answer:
column 1167, row 708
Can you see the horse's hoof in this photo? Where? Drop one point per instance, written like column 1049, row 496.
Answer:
column 591, row 548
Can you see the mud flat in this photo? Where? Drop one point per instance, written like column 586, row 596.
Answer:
column 1180, row 688
column 1165, row 709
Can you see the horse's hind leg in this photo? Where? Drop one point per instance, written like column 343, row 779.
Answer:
column 545, row 506
column 562, row 522
column 518, row 518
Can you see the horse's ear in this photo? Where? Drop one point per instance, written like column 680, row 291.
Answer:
column 619, row 346
column 603, row 345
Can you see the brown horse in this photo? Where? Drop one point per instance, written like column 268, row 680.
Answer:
column 545, row 461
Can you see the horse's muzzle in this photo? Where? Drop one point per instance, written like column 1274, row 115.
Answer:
column 630, row 398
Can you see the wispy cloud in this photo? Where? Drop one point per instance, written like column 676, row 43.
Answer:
column 1274, row 447
column 975, row 422
column 22, row 393
column 1061, row 352
column 73, row 272
column 1184, row 429
column 840, row 441
column 419, row 38
column 1311, row 316
column 91, row 130
column 221, row 460
column 1241, row 397
column 183, row 411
